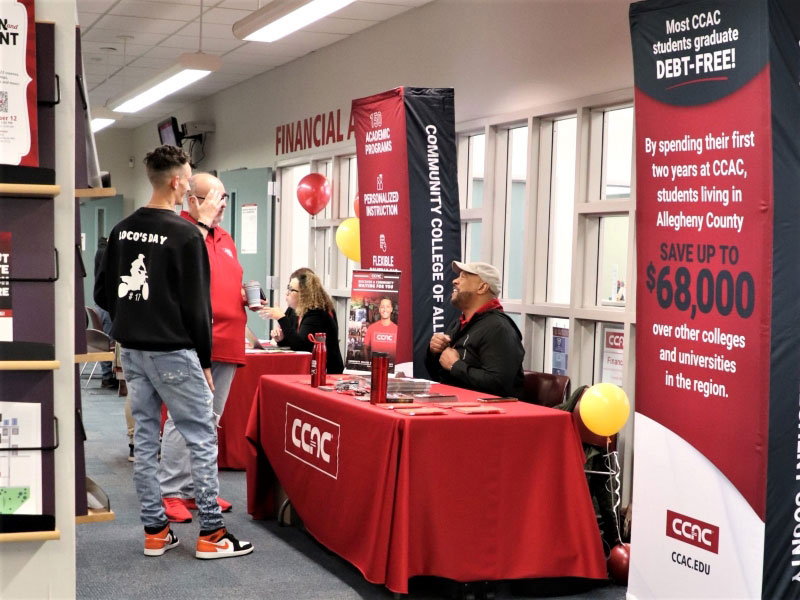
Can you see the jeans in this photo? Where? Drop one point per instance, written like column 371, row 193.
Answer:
column 176, row 379
column 174, row 473
column 106, row 367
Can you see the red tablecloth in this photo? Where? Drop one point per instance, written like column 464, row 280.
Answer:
column 465, row 497
column 233, row 446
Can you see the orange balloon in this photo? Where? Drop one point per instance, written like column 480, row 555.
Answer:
column 357, row 205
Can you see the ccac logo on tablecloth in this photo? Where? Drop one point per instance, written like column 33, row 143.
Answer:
column 692, row 531
column 312, row 440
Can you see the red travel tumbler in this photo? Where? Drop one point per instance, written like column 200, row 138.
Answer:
column 380, row 377
column 319, row 359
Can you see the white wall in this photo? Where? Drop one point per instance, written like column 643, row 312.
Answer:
column 501, row 56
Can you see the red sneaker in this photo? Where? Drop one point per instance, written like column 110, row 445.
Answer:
column 176, row 510
column 224, row 505
column 156, row 544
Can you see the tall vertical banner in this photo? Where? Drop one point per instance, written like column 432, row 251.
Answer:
column 717, row 478
column 409, row 218
column 19, row 143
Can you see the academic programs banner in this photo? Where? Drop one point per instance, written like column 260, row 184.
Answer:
column 19, row 143
column 410, row 221
column 717, row 345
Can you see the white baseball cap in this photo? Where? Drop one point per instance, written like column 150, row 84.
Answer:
column 488, row 273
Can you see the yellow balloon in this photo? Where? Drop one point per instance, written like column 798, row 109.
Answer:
column 604, row 408
column 348, row 238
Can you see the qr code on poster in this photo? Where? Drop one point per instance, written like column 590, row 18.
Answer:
column 3, row 102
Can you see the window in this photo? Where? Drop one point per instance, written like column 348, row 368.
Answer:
column 612, row 261
column 617, row 153
column 471, row 241
column 477, row 153
column 562, row 206
column 516, row 184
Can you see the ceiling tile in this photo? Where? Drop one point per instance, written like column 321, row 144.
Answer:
column 155, row 10
column 370, row 11
column 249, row 5
column 95, row 6
column 210, row 30
column 191, row 44
column 111, row 37
column 224, row 16
column 135, row 24
column 340, row 26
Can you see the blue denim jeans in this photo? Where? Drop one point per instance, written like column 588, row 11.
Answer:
column 106, row 368
column 176, row 379
column 174, row 471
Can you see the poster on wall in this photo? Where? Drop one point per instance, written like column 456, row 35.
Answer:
column 717, row 342
column 18, row 120
column 20, row 470
column 560, row 350
column 613, row 345
column 372, row 325
column 249, row 217
column 6, row 317
column 410, row 220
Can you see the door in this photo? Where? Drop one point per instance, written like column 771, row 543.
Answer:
column 249, row 219
column 98, row 217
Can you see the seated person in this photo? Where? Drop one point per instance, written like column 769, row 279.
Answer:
column 381, row 335
column 315, row 314
column 482, row 350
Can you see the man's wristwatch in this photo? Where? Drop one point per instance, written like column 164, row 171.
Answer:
column 204, row 226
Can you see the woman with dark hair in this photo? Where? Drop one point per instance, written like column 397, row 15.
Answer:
column 291, row 306
column 315, row 314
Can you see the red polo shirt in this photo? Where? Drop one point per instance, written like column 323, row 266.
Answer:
column 227, row 304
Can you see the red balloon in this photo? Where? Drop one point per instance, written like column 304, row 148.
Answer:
column 314, row 192
column 618, row 562
column 357, row 205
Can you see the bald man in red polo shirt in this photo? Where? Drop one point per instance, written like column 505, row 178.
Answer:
column 206, row 203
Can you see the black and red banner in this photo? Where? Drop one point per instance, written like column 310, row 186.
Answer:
column 410, row 220
column 718, row 340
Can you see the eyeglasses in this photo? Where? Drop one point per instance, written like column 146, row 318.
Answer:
column 223, row 197
column 290, row 289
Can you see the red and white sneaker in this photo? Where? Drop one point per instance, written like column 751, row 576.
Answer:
column 176, row 510
column 156, row 544
column 221, row 544
column 224, row 505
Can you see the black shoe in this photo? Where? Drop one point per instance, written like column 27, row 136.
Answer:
column 110, row 383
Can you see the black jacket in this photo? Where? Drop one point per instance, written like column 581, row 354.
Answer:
column 314, row 321
column 491, row 353
column 154, row 279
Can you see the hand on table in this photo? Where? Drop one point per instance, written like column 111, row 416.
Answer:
column 439, row 342
column 277, row 334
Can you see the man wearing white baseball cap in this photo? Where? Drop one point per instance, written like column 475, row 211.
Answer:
column 482, row 351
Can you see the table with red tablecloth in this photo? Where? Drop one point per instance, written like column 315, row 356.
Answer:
column 466, row 497
column 233, row 446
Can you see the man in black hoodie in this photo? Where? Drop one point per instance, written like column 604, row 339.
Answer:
column 154, row 279
column 482, row 351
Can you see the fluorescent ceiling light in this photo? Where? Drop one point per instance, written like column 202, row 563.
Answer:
column 279, row 18
column 189, row 68
column 101, row 118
